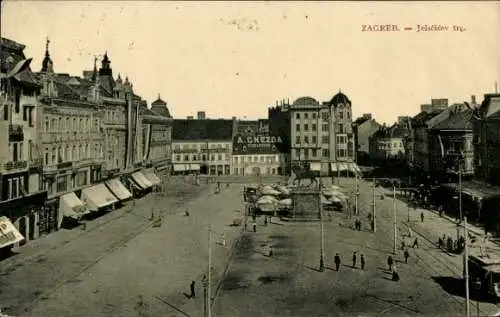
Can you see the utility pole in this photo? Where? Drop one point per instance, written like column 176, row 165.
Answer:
column 466, row 264
column 322, row 242
column 394, row 216
column 373, row 208
column 356, row 198
column 209, row 288
column 459, row 199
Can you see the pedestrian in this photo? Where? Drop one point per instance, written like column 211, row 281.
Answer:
column 415, row 243
column 410, row 233
column 254, row 225
column 440, row 210
column 422, row 216
column 362, row 258
column 337, row 262
column 265, row 221
column 354, row 259
column 390, row 262
column 369, row 216
column 193, row 294
column 406, row 255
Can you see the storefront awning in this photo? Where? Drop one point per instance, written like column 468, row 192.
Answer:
column 179, row 167
column 345, row 166
column 194, row 167
column 118, row 189
column 9, row 234
column 141, row 180
column 97, row 197
column 315, row 166
column 71, row 206
column 152, row 178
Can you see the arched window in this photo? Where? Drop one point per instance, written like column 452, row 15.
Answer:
column 74, row 155
column 68, row 124
column 61, row 125
column 87, row 154
column 67, row 154
column 74, row 125
column 54, row 124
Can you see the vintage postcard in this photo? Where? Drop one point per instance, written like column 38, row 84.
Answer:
column 249, row 158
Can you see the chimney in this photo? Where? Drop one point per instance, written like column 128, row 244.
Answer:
column 190, row 117
column 201, row 115
column 496, row 87
column 276, row 103
column 473, row 99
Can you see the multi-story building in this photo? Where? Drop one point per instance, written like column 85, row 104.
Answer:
column 254, row 149
column 421, row 124
column 387, row 143
column 321, row 134
column 157, row 123
column 486, row 140
column 21, row 194
column 202, row 145
column 364, row 127
column 450, row 145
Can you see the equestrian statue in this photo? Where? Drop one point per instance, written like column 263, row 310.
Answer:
column 303, row 171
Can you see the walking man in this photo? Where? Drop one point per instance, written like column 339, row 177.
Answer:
column 362, row 261
column 422, row 216
column 254, row 225
column 407, row 255
column 337, row 262
column 390, row 262
column 415, row 243
column 354, row 259
column 193, row 294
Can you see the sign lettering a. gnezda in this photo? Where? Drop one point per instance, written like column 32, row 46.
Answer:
column 256, row 144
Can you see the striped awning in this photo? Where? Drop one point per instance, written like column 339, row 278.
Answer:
column 345, row 166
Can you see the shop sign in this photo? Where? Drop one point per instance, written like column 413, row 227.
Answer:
column 256, row 144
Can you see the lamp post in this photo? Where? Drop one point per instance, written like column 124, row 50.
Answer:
column 373, row 208
column 209, row 282
column 204, row 281
column 466, row 269
column 356, row 198
column 394, row 217
column 322, row 230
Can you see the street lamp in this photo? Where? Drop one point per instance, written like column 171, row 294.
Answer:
column 394, row 217
column 322, row 230
column 204, row 282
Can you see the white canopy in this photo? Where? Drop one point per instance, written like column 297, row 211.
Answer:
column 285, row 202
column 270, row 192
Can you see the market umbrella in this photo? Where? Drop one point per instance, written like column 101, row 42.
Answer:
column 285, row 202
column 270, row 192
column 267, row 200
column 335, row 199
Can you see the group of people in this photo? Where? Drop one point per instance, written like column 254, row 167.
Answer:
column 338, row 260
column 450, row 244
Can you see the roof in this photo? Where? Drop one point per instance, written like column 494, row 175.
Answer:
column 340, row 98
column 12, row 53
column 421, row 118
column 444, row 114
column 456, row 121
column 149, row 116
column 208, row 129
column 490, row 107
column 161, row 109
column 305, row 101
column 159, row 101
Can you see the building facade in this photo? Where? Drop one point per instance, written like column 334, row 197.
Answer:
column 364, row 127
column 486, row 140
column 320, row 134
column 202, row 146
column 157, row 128
column 387, row 144
column 21, row 194
column 451, row 148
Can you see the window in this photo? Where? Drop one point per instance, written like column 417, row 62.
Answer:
column 262, row 159
column 341, row 128
column 15, row 154
column 306, row 139
column 186, row 157
column 203, row 157
column 30, row 150
column 15, row 188
column 297, row 127
column 68, row 124
column 314, row 115
column 324, row 127
column 235, row 160
column 297, row 115
column 306, row 127
column 82, row 179
column 306, row 115
column 74, row 154
column 212, row 157
column 74, row 124
column 313, row 127
column 87, row 150
column 54, row 125
column 25, row 113
column 324, row 116
column 62, row 183
column 297, row 139
column 178, row 157
column 341, row 115
column 325, row 139
column 297, row 153
column 326, row 153
column 60, row 124
column 46, row 156
column 314, row 139
column 6, row 109
column 219, row 157
column 348, row 116
column 30, row 116
column 17, row 99
column 314, row 152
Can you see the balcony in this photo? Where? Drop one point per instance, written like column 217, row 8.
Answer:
column 190, row 150
column 18, row 165
column 16, row 133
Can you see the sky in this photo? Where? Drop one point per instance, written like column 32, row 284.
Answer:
column 238, row 58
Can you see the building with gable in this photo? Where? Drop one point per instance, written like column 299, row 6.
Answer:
column 364, row 127
column 202, row 146
column 318, row 135
column 21, row 192
column 387, row 144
